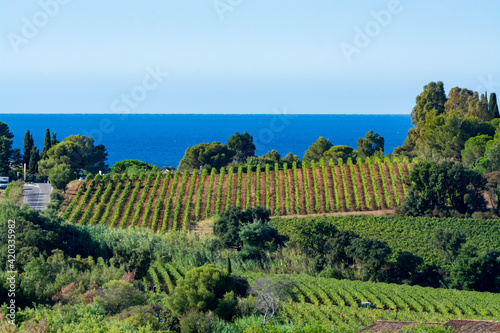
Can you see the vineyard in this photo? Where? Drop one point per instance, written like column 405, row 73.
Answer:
column 407, row 233
column 161, row 202
column 337, row 303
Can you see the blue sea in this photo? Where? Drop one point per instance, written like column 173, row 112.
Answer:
column 163, row 139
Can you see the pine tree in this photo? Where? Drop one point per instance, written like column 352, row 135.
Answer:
column 493, row 105
column 28, row 143
column 34, row 158
column 6, row 151
column 47, row 144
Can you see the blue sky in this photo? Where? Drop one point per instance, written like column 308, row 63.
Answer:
column 241, row 56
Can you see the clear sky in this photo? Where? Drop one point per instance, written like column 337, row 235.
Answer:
column 241, row 56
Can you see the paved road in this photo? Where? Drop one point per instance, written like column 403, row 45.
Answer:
column 37, row 196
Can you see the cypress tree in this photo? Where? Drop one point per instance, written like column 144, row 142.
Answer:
column 47, row 144
column 28, row 143
column 229, row 268
column 493, row 105
column 34, row 158
column 54, row 140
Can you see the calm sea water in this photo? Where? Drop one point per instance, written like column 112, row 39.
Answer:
column 163, row 139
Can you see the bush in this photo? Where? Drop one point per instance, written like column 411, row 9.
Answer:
column 117, row 295
column 205, row 289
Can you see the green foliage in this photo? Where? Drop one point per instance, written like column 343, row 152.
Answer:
column 6, row 151
column 441, row 188
column 337, row 153
column 243, row 146
column 133, row 167
column 204, row 289
column 448, row 242
column 477, row 270
column 370, row 144
column 77, row 151
column 117, row 295
column 400, row 233
column 210, row 190
column 206, row 155
column 60, row 175
column 474, row 149
column 228, row 226
column 317, row 150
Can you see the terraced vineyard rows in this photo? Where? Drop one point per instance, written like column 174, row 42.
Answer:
column 162, row 202
column 336, row 303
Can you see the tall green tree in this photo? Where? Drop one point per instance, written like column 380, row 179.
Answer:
column 77, row 151
column 493, row 106
column 337, row 152
column 206, row 155
column 432, row 98
column 54, row 140
column 28, row 143
column 34, row 158
column 370, row 144
column 6, row 151
column 474, row 150
column 316, row 150
column 444, row 188
column 242, row 144
column 60, row 175
column 47, row 144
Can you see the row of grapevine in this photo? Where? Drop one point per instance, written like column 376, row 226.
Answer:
column 268, row 187
column 277, row 209
column 229, row 188
column 257, row 186
column 170, row 199
column 83, row 203
column 75, row 200
column 188, row 200
column 369, row 165
column 306, row 189
column 120, row 201
column 249, row 182
column 149, row 205
column 178, row 201
column 209, row 194
column 238, row 186
column 110, row 187
column 219, row 190
column 90, row 208
column 116, row 191
column 393, row 180
column 335, row 185
column 131, row 204
column 296, row 187
column 317, row 205
column 344, row 183
column 142, row 199
column 328, row 205
column 159, row 204
column 199, row 194
column 354, row 183
column 384, row 183
column 368, row 202
column 287, row 193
